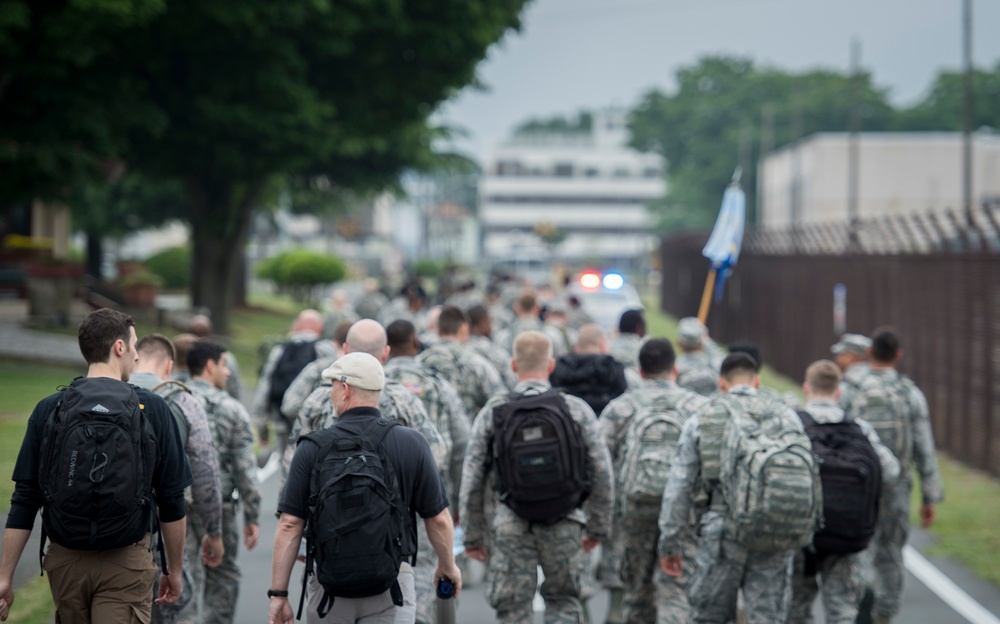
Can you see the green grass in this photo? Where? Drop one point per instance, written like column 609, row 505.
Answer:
column 965, row 528
column 33, row 603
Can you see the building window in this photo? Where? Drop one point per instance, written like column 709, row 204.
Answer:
column 564, row 170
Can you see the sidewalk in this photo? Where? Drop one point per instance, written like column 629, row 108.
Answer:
column 18, row 341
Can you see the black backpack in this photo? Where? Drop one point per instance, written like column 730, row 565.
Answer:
column 96, row 466
column 296, row 355
column 540, row 457
column 357, row 522
column 852, row 484
column 597, row 379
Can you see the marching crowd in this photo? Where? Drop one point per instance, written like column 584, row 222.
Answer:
column 511, row 414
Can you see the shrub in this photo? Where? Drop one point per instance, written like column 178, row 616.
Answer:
column 173, row 265
column 299, row 271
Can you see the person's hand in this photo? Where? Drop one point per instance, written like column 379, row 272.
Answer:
column 250, row 534
column 454, row 575
column 928, row 514
column 477, row 552
column 280, row 612
column 171, row 587
column 590, row 543
column 212, row 550
column 6, row 599
column 672, row 565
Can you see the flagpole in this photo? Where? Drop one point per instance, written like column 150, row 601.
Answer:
column 706, row 297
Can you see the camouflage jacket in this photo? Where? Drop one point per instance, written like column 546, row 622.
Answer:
column 497, row 356
column 444, row 407
column 308, row 380
column 231, row 433
column 205, row 494
column 625, row 349
column 475, row 379
column 505, row 337
column 260, row 409
column 478, row 476
column 696, row 373
column 852, row 378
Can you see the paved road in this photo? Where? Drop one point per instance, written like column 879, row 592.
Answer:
column 921, row 606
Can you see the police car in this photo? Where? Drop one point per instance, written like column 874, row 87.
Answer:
column 604, row 296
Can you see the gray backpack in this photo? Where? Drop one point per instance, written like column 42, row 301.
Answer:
column 166, row 390
column 650, row 442
column 884, row 404
column 769, row 478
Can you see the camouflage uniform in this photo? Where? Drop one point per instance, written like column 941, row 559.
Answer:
column 203, row 499
column 696, row 372
column 369, row 304
column 563, row 338
column 894, row 509
column 472, row 375
column 395, row 403
column 230, row 426
column 333, row 318
column 399, row 309
column 497, row 356
column 722, row 566
column 260, row 409
column 505, row 337
column 444, row 407
column 650, row 595
column 308, row 380
column 234, row 384
column 842, row 576
column 852, row 378
column 516, row 546
column 625, row 349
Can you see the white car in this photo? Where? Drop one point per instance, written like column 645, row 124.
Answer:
column 604, row 297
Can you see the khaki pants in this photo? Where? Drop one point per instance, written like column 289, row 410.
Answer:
column 97, row 586
column 373, row 610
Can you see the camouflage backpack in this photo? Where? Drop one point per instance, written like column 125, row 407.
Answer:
column 440, row 363
column 166, row 390
column 768, row 475
column 650, row 442
column 700, row 379
column 883, row 403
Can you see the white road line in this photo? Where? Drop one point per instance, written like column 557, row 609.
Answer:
column 271, row 467
column 946, row 589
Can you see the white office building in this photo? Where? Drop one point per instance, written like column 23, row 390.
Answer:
column 589, row 186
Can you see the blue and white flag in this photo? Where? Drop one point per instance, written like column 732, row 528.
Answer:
column 723, row 247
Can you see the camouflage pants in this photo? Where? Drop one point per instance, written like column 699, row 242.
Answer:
column 650, row 595
column 890, row 537
column 723, row 568
column 222, row 584
column 609, row 571
column 188, row 614
column 841, row 579
column 423, row 577
column 519, row 548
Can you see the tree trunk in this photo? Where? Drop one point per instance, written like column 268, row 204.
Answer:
column 95, row 255
column 220, row 219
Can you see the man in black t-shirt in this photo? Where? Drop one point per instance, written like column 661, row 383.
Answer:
column 109, row 585
column 358, row 379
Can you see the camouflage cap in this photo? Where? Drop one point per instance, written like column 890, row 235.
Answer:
column 690, row 332
column 852, row 343
column 358, row 370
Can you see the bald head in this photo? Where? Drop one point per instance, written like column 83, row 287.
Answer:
column 200, row 326
column 591, row 339
column 308, row 321
column 533, row 355
column 368, row 336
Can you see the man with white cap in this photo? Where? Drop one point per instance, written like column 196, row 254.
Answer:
column 695, row 369
column 851, row 355
column 357, row 381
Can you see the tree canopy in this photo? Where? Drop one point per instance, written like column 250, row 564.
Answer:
column 726, row 110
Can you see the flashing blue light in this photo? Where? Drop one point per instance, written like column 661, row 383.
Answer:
column 613, row 281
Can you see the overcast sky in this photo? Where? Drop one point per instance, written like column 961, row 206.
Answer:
column 576, row 54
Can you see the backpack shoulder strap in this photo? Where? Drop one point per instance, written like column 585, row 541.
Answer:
column 169, row 387
column 806, row 418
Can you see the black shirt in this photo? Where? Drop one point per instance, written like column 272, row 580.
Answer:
column 171, row 473
column 407, row 450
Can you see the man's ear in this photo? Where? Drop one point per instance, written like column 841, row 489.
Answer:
column 552, row 366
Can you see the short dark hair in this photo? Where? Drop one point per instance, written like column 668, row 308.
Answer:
column 657, row 356
column 477, row 314
column 885, row 344
column 98, row 332
column 750, row 349
column 400, row 334
column 451, row 320
column 737, row 363
column 156, row 345
column 631, row 322
column 182, row 344
column 340, row 331
column 200, row 353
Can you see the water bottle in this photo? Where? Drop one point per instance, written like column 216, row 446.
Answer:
column 445, row 589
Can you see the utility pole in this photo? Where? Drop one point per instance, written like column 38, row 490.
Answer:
column 796, row 146
column 766, row 145
column 968, row 113
column 854, row 147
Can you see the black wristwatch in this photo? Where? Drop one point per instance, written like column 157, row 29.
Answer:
column 277, row 593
